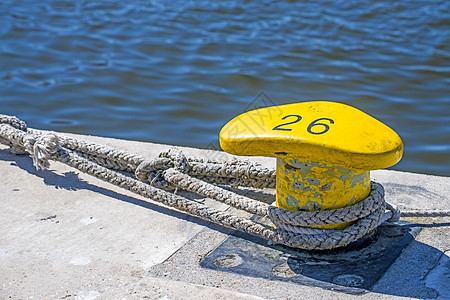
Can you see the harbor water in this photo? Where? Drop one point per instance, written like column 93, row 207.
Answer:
column 175, row 72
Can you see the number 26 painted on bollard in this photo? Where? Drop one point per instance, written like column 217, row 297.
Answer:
column 309, row 129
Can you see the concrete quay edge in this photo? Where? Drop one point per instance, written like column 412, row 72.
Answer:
column 67, row 235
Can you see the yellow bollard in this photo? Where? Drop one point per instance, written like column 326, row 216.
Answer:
column 325, row 151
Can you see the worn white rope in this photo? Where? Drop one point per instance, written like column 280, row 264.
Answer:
column 173, row 171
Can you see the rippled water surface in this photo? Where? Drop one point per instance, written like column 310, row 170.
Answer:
column 176, row 71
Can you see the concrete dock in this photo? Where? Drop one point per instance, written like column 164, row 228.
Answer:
column 67, row 235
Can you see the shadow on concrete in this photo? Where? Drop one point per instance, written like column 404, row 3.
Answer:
column 426, row 225
column 356, row 270
column 70, row 181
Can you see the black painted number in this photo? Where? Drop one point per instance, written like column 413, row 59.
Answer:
column 279, row 127
column 314, row 123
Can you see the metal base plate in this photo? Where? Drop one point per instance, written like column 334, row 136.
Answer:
column 353, row 269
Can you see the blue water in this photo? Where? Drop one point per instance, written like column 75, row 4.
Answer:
column 176, row 71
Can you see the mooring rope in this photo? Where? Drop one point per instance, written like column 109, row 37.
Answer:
column 160, row 179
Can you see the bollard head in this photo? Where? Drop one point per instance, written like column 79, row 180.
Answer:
column 319, row 131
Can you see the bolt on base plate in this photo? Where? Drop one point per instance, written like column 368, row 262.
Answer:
column 353, row 269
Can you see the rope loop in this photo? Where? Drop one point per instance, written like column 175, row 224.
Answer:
column 178, row 159
column 147, row 166
column 287, row 218
column 43, row 148
column 395, row 212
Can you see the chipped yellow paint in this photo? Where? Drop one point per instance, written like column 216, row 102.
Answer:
column 324, row 151
column 312, row 186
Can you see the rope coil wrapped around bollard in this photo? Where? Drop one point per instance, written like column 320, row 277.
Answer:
column 160, row 179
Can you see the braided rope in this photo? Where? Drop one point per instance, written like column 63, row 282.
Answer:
column 173, row 171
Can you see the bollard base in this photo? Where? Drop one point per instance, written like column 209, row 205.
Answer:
column 315, row 186
column 353, row 269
